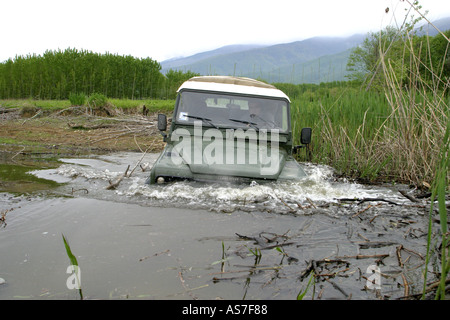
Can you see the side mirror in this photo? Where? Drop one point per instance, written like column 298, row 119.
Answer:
column 305, row 137
column 162, row 125
column 162, row 122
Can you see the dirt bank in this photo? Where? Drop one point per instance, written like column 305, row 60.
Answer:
column 73, row 133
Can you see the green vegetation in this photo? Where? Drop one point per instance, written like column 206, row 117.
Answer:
column 373, row 135
column 32, row 106
column 389, row 122
column 74, row 263
column 439, row 190
column 77, row 99
column 50, row 105
column 60, row 74
column 152, row 105
column 311, row 281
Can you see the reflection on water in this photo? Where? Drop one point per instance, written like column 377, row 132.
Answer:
column 191, row 240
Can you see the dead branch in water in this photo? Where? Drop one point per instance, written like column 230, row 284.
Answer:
column 143, row 155
column 411, row 198
column 368, row 199
column 364, row 210
column 117, row 182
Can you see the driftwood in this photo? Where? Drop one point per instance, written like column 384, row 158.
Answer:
column 36, row 114
column 140, row 160
column 368, row 199
column 7, row 110
column 114, row 185
column 403, row 193
column 94, row 127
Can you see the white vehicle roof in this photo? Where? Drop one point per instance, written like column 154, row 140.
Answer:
column 233, row 85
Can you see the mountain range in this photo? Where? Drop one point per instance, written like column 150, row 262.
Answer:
column 314, row 60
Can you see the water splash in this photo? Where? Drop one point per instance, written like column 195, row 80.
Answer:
column 319, row 188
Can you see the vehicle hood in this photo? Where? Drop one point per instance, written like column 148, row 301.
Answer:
column 245, row 159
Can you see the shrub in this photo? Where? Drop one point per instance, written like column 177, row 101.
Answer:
column 77, row 99
column 97, row 100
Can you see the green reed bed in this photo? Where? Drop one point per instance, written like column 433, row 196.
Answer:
column 389, row 135
column 346, row 126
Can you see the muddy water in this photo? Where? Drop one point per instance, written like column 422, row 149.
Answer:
column 189, row 240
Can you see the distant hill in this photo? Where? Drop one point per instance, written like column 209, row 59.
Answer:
column 273, row 63
column 314, row 60
column 325, row 68
column 442, row 24
column 183, row 61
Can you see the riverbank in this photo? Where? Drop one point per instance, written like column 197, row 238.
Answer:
column 73, row 132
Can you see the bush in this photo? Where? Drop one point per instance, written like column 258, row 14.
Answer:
column 97, row 100
column 77, row 99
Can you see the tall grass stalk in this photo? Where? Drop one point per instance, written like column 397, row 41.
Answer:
column 419, row 115
column 394, row 134
column 420, row 135
column 438, row 192
column 73, row 261
column 311, row 281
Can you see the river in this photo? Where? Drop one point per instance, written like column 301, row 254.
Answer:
column 196, row 241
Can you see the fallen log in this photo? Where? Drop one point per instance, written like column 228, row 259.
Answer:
column 7, row 110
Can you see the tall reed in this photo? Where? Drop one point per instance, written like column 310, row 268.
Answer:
column 419, row 134
column 439, row 190
column 346, row 129
column 419, row 117
column 394, row 134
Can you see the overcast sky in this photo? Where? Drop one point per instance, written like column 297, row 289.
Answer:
column 163, row 29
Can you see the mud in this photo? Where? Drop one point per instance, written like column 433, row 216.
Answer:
column 77, row 134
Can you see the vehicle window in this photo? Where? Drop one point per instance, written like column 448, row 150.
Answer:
column 223, row 110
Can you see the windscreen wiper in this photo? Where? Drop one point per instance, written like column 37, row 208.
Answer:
column 269, row 123
column 252, row 124
column 209, row 121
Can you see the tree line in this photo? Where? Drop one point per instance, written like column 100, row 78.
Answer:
column 58, row 74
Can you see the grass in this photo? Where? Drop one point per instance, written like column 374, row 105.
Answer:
column 74, row 262
column 50, row 105
column 56, row 105
column 343, row 123
column 311, row 281
column 439, row 190
column 151, row 105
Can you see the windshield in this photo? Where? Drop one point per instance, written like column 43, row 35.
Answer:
column 222, row 110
